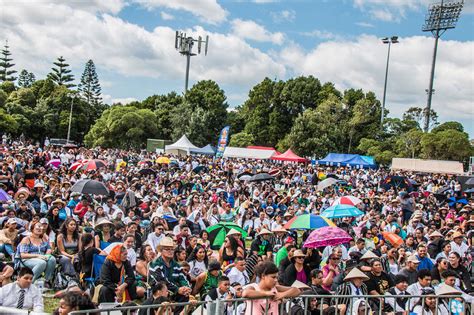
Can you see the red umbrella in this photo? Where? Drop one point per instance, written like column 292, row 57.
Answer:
column 347, row 200
column 76, row 165
column 88, row 165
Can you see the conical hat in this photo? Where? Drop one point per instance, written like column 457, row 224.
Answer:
column 264, row 231
column 233, row 232
column 299, row 285
column 444, row 289
column 356, row 274
column 369, row 255
column 279, row 230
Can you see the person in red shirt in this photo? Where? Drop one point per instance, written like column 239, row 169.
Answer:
column 82, row 207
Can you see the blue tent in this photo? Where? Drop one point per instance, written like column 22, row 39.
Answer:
column 207, row 150
column 353, row 160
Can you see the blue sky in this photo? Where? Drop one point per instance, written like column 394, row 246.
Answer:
column 132, row 44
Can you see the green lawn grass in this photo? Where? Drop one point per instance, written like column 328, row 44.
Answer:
column 50, row 304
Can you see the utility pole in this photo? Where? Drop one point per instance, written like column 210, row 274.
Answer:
column 439, row 19
column 389, row 41
column 184, row 45
column 72, row 96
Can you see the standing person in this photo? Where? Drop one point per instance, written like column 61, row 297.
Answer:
column 35, row 252
column 268, row 290
column 22, row 294
column 69, row 242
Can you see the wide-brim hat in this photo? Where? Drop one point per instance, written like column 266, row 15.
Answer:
column 355, row 273
column 233, row 232
column 456, row 235
column 23, row 191
column 287, row 214
column 11, row 221
column 435, row 234
column 58, row 201
column 369, row 255
column 166, row 242
column 38, row 185
column 444, row 289
column 300, row 285
column 103, row 222
column 264, row 232
column 298, row 253
column 279, row 230
column 75, row 194
column 47, row 196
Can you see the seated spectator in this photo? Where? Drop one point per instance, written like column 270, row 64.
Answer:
column 353, row 286
column 410, row 270
column 117, row 277
column 397, row 305
column 68, row 245
column 74, row 301
column 297, row 270
column 425, row 261
column 34, row 252
column 424, row 282
column 22, row 294
column 238, row 273
column 8, row 236
column 159, row 296
column 6, row 272
column 208, row 280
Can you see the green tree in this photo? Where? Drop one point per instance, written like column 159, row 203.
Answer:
column 235, row 120
column 202, row 115
column 7, row 87
column 417, row 114
column 449, row 125
column 241, row 139
column 6, row 73
column 409, row 143
column 379, row 150
column 26, row 79
column 61, row 74
column 122, row 127
column 89, row 88
column 8, row 124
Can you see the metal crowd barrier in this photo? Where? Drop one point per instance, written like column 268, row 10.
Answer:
column 302, row 305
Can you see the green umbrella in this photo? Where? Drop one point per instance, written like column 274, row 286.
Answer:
column 218, row 232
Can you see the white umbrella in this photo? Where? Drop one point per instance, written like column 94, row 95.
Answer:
column 326, row 183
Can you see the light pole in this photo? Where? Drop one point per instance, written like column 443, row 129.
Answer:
column 72, row 96
column 185, row 45
column 389, row 41
column 439, row 19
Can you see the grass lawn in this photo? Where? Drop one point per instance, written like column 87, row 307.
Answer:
column 50, row 304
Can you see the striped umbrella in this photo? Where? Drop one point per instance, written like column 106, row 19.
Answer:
column 88, row 165
column 76, row 165
column 308, row 222
column 347, row 200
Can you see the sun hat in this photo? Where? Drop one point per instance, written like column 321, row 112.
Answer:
column 102, row 222
column 444, row 289
column 369, row 255
column 75, row 194
column 456, row 235
column 264, row 232
column 165, row 242
column 47, row 196
column 300, row 285
column 355, row 273
column 38, row 185
column 44, row 221
column 299, row 253
column 279, row 230
column 59, row 201
column 233, row 232
column 435, row 234
column 11, row 221
column 23, row 191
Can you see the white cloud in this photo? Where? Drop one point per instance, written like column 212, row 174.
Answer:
column 104, row 6
column 108, row 99
column 365, row 24
column 361, row 64
column 166, row 16
column 383, row 15
column 283, row 16
column 247, row 29
column 208, row 11
column 321, row 34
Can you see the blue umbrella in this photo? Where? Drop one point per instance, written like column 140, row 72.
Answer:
column 341, row 211
column 453, row 201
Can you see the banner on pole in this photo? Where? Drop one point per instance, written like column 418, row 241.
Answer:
column 223, row 141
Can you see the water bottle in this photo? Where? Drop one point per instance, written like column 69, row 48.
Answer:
column 40, row 284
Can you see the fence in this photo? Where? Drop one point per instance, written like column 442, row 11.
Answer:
column 302, row 305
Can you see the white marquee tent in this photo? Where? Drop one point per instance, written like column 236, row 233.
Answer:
column 181, row 147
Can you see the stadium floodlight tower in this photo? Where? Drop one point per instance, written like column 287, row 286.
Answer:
column 184, row 45
column 440, row 17
column 389, row 41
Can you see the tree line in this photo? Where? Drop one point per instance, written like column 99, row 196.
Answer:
column 308, row 116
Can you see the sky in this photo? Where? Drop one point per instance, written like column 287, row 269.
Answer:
column 132, row 45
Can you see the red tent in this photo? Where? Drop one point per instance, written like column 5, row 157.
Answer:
column 290, row 157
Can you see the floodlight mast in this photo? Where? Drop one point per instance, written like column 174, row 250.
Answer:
column 439, row 19
column 184, row 45
column 389, row 41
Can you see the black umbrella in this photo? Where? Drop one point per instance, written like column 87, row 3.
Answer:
column 147, row 171
column 440, row 194
column 470, row 181
column 244, row 174
column 261, row 177
column 200, row 168
column 90, row 186
column 397, row 182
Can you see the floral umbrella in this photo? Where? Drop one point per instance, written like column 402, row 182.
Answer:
column 327, row 236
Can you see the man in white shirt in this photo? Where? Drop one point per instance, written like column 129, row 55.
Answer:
column 238, row 273
column 398, row 305
column 424, row 281
column 261, row 222
column 110, row 207
column 22, row 294
column 154, row 238
column 458, row 245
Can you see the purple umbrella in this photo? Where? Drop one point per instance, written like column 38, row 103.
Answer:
column 327, row 236
column 4, row 196
column 54, row 163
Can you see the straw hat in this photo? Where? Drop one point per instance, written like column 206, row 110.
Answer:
column 435, row 234
column 264, row 232
column 59, row 201
column 102, row 222
column 356, row 274
column 456, row 235
column 47, row 196
column 23, row 191
column 444, row 289
column 300, row 285
column 287, row 214
column 299, row 253
column 279, row 230
column 166, row 242
column 369, row 255
column 38, row 185
column 233, row 232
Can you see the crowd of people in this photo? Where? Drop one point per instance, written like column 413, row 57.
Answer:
column 150, row 239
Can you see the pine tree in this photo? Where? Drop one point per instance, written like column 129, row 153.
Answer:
column 31, row 79
column 26, row 79
column 61, row 74
column 90, row 87
column 5, row 74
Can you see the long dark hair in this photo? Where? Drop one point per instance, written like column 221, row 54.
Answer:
column 63, row 229
column 141, row 256
column 192, row 256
